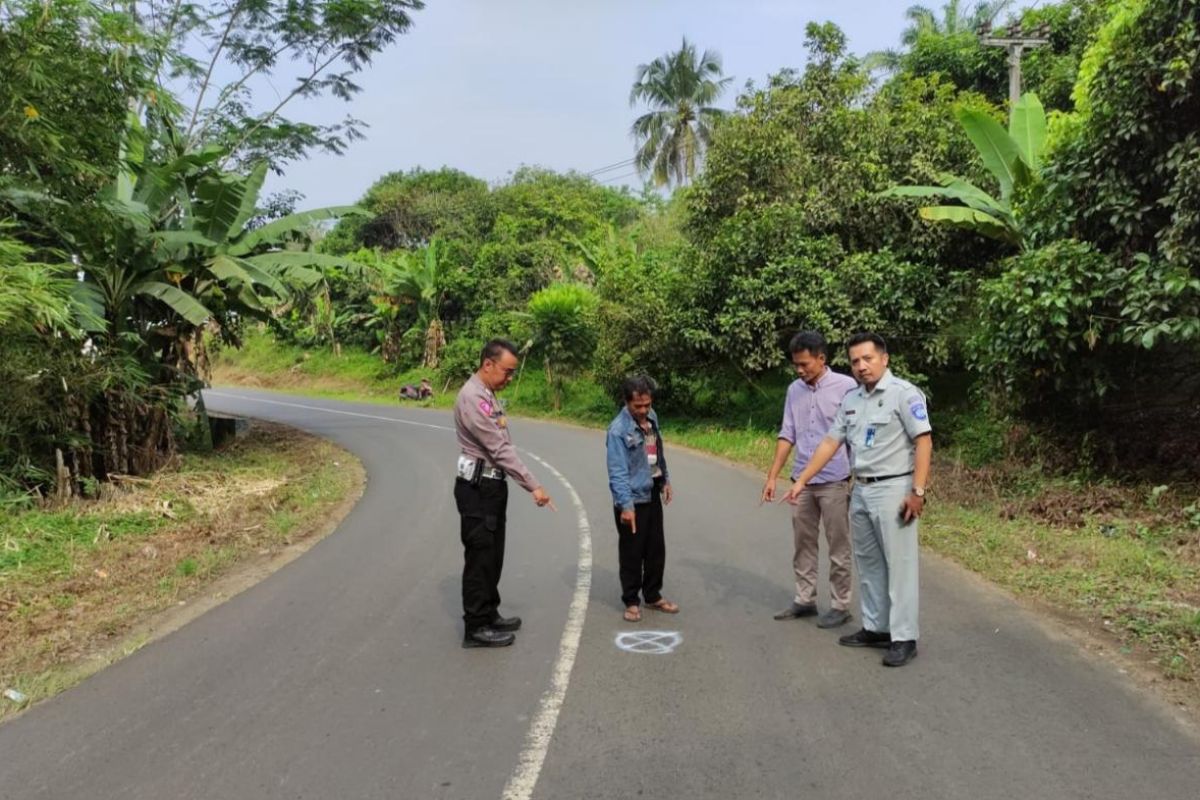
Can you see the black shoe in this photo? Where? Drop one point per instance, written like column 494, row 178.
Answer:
column 866, row 638
column 487, row 637
column 500, row 623
column 795, row 611
column 833, row 618
column 900, row 653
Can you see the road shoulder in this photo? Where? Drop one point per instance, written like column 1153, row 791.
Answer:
column 90, row 584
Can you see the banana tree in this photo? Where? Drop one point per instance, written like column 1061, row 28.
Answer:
column 179, row 254
column 1013, row 157
column 183, row 251
column 418, row 278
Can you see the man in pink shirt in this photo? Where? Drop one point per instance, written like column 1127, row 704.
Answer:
column 812, row 403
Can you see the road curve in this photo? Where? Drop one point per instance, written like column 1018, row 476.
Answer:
column 341, row 675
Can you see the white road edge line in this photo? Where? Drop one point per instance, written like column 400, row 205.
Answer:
column 328, row 410
column 537, row 743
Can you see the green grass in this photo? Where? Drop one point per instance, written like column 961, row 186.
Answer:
column 1128, row 573
column 48, row 542
column 1138, row 588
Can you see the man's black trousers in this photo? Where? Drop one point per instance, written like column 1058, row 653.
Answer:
column 482, row 507
column 642, row 555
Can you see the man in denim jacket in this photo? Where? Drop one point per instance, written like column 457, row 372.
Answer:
column 640, row 485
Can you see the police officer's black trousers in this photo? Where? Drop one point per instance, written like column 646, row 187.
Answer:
column 482, row 507
column 642, row 555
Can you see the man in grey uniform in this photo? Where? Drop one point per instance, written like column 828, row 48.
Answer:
column 481, row 493
column 886, row 424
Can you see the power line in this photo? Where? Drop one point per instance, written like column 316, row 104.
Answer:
column 620, row 177
column 610, row 166
column 619, row 165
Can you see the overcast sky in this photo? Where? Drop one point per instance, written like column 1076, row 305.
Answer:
column 488, row 85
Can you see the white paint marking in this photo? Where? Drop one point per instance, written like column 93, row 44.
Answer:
column 655, row 643
column 533, row 755
column 328, row 410
column 537, row 742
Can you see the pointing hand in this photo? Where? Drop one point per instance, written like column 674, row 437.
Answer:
column 793, row 494
column 542, row 499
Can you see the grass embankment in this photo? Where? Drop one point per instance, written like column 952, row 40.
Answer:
column 82, row 585
column 1121, row 559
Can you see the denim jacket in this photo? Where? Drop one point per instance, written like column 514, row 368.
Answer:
column 629, row 475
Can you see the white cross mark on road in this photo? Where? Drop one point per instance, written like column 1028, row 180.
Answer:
column 656, row 643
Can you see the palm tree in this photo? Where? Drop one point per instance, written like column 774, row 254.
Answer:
column 955, row 19
column 923, row 20
column 680, row 88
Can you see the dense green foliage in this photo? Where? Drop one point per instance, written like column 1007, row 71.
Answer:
column 790, row 230
column 1113, row 295
column 125, row 239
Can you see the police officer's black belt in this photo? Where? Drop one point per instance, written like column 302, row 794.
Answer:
column 861, row 479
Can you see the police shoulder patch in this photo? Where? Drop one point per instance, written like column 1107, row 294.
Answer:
column 916, row 407
column 486, row 407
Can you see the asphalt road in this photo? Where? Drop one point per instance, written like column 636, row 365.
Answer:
column 342, row 676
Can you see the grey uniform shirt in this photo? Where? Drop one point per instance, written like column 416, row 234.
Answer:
column 482, row 431
column 880, row 426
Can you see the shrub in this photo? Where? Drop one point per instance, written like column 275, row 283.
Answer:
column 563, row 318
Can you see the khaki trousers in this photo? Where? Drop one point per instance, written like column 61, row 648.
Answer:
column 827, row 504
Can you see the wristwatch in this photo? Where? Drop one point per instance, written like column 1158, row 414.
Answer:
column 919, row 492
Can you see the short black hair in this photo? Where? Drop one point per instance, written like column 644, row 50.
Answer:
column 492, row 350
column 811, row 341
column 638, row 384
column 867, row 336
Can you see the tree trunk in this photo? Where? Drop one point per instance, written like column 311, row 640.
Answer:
column 63, row 483
column 555, row 386
column 435, row 340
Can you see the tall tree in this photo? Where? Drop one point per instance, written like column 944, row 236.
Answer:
column 680, row 88
column 220, row 52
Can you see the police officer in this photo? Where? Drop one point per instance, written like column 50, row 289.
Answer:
column 481, row 493
column 886, row 424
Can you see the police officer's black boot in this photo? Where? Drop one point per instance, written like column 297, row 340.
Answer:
column 506, row 624
column 487, row 636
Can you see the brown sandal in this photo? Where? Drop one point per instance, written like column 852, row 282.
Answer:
column 633, row 614
column 665, row 606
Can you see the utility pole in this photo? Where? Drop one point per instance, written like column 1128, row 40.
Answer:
column 1016, row 41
